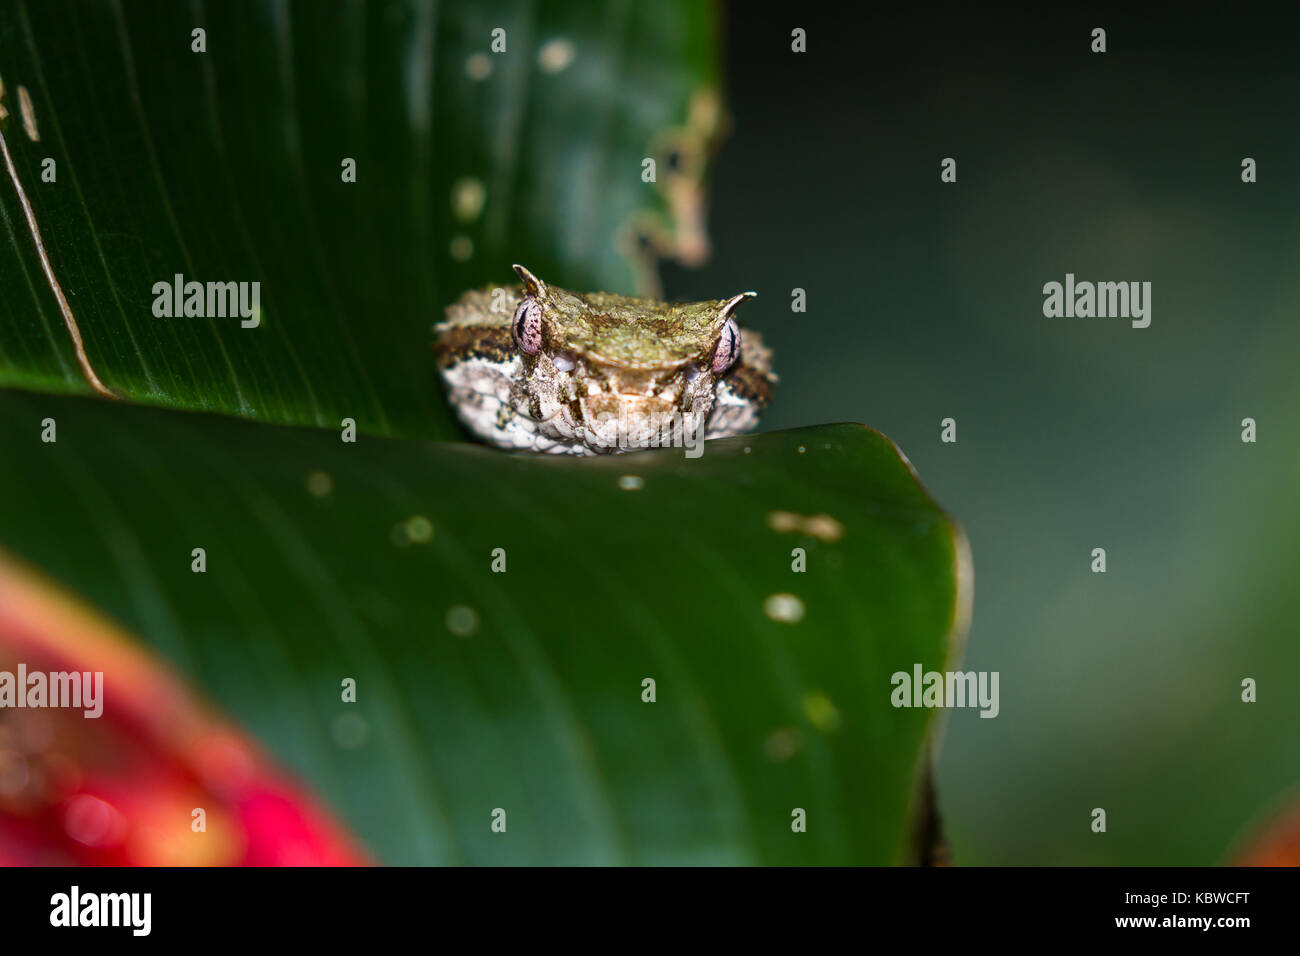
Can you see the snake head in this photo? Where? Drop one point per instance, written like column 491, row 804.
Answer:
column 591, row 373
column 619, row 332
column 616, row 371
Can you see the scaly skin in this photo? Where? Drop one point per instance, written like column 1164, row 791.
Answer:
column 597, row 373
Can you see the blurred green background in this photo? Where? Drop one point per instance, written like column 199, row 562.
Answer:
column 1120, row 690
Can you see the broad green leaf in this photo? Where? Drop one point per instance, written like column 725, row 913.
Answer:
column 521, row 688
column 226, row 166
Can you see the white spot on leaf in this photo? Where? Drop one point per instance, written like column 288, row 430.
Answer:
column 478, row 66
column 320, row 484
column 461, row 248
column 556, row 55
column 467, row 198
column 784, row 607
column 419, row 529
column 462, row 621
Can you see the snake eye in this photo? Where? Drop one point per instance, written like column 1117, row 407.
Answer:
column 728, row 347
column 527, row 326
